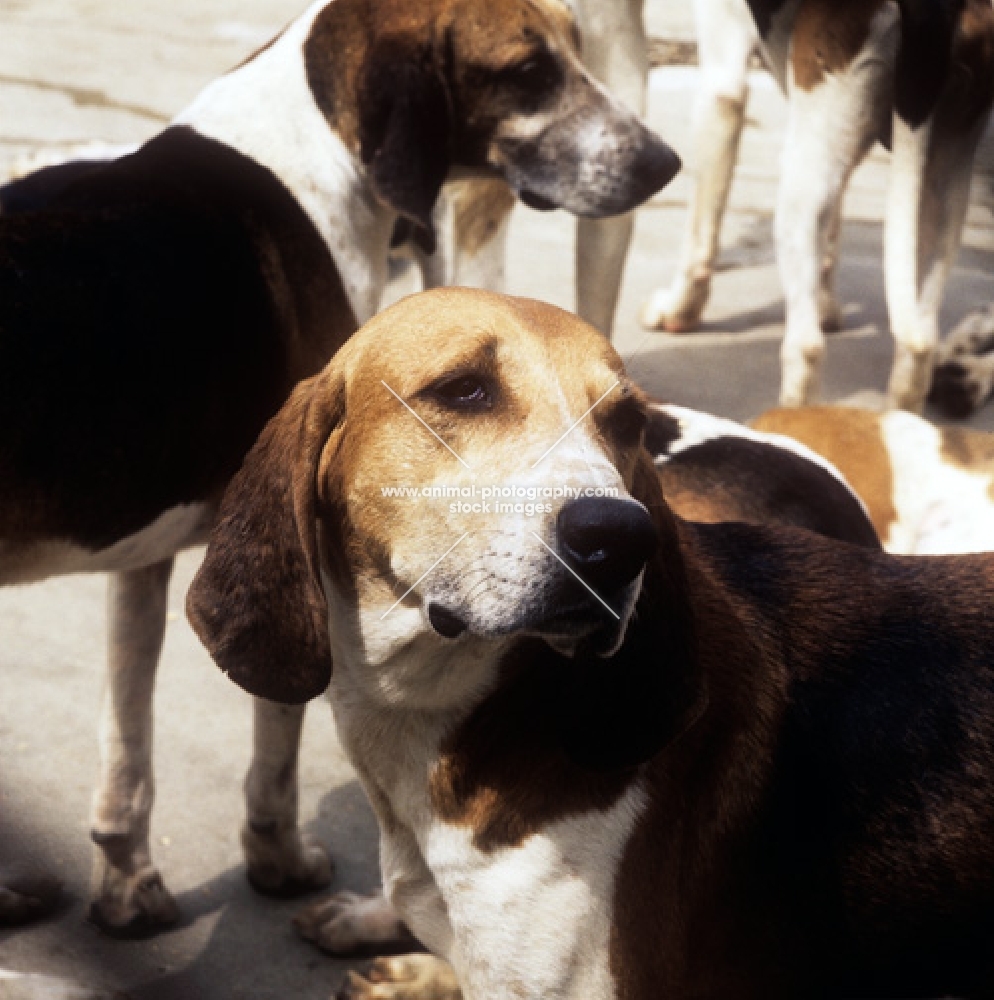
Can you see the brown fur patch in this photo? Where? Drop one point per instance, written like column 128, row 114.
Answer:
column 971, row 450
column 480, row 33
column 852, row 440
column 476, row 783
column 153, row 317
column 257, row 603
column 480, row 211
column 793, row 844
column 827, row 36
column 972, row 69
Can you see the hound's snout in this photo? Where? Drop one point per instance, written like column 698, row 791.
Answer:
column 607, row 541
column 656, row 166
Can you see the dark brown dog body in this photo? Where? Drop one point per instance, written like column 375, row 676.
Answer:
column 827, row 827
column 770, row 776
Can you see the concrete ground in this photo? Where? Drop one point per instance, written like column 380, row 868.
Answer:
column 76, row 70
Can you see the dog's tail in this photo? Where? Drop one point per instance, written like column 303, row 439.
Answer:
column 927, row 29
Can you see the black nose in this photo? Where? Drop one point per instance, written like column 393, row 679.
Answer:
column 607, row 541
column 656, row 166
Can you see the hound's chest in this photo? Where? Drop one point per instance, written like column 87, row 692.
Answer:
column 534, row 919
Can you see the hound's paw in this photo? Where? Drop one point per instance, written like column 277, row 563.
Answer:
column 677, row 309
column 964, row 376
column 347, row 923
column 957, row 390
column 14, row 986
column 974, row 335
column 406, row 977
column 26, row 893
column 131, row 905
column 282, row 863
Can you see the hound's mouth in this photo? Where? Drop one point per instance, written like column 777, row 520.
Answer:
column 537, row 201
column 567, row 626
column 445, row 622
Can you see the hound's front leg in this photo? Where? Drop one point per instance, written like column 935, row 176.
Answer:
column 929, row 196
column 726, row 38
column 279, row 860
column 128, row 892
column 833, row 121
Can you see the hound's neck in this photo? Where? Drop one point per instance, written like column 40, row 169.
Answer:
column 265, row 109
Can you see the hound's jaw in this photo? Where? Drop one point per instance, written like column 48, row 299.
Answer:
column 604, row 637
column 536, row 201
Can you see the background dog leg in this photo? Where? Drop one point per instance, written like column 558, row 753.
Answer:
column 833, row 121
column 927, row 203
column 279, row 861
column 726, row 40
column 616, row 51
column 129, row 895
column 471, row 220
column 829, row 312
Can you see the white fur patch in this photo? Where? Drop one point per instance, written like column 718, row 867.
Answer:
column 942, row 508
column 535, row 920
column 266, row 110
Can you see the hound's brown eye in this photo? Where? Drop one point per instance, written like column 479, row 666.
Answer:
column 528, row 71
column 538, row 72
column 464, row 392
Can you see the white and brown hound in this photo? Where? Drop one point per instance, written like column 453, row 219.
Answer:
column 612, row 754
column 854, row 72
column 160, row 308
column 471, row 215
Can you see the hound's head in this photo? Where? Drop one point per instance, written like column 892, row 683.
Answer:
column 466, row 475
column 419, row 89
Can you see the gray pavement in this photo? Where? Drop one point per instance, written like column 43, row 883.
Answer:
column 77, row 70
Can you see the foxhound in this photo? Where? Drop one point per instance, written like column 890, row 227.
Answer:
column 853, row 73
column 611, row 753
column 471, row 215
column 159, row 309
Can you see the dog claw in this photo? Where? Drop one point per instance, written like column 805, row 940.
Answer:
column 677, row 309
column 348, row 924
column 134, row 906
column 284, row 867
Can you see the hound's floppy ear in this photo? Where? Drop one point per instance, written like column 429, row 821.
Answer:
column 256, row 602
column 619, row 711
column 405, row 129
